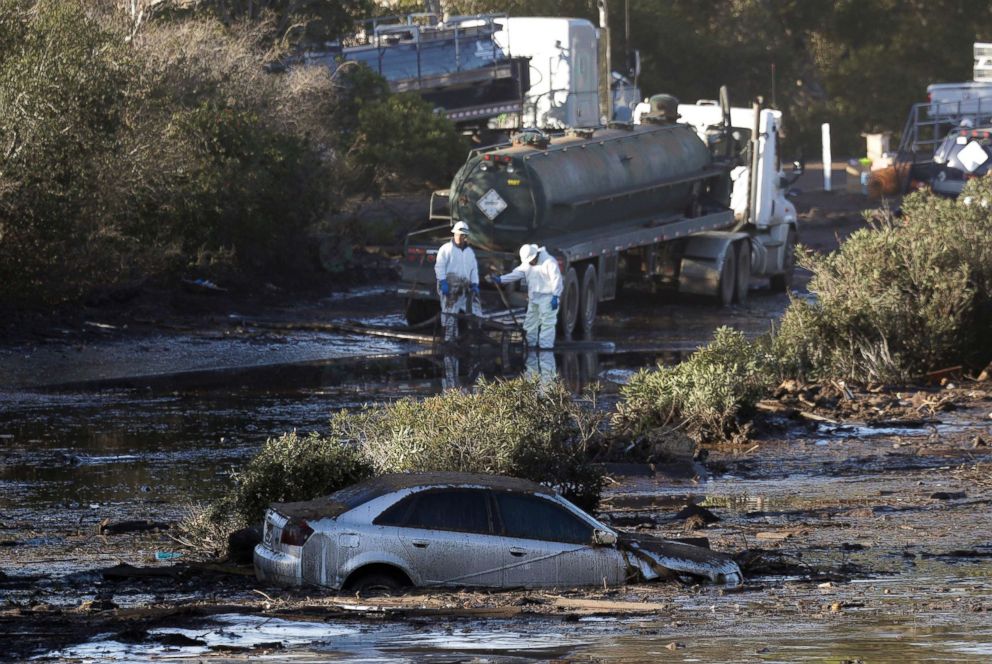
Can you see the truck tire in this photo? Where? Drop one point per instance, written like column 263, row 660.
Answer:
column 727, row 286
column 588, row 301
column 568, row 305
column 782, row 283
column 743, row 278
column 421, row 311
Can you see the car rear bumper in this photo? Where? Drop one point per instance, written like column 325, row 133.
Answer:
column 277, row 568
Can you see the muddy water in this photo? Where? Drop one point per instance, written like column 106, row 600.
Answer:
column 121, row 431
column 168, row 417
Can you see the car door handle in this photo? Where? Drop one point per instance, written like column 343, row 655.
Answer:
column 518, row 552
column 420, row 544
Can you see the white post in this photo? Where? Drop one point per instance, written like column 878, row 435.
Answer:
column 827, row 162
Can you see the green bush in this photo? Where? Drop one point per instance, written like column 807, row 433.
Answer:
column 401, row 142
column 516, row 427
column 704, row 395
column 62, row 91
column 905, row 296
column 125, row 154
column 294, row 467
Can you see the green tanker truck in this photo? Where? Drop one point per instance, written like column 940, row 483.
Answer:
column 652, row 202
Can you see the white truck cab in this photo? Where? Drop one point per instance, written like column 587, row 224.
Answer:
column 564, row 70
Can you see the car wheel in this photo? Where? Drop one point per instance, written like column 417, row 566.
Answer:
column 376, row 584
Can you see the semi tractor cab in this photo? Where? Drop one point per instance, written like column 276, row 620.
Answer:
column 656, row 202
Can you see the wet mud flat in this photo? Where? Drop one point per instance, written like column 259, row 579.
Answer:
column 858, row 543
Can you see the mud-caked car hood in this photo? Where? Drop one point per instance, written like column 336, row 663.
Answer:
column 656, row 557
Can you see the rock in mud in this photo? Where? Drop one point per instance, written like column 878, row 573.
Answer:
column 137, row 526
column 948, row 495
column 241, row 544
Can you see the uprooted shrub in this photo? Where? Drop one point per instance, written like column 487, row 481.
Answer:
column 705, row 395
column 296, row 467
column 288, row 468
column 517, row 427
column 908, row 295
column 520, row 427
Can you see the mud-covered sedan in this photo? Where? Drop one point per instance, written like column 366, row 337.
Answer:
column 458, row 529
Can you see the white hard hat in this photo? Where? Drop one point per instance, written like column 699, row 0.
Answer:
column 528, row 252
column 460, row 227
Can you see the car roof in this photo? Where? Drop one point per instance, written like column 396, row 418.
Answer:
column 352, row 496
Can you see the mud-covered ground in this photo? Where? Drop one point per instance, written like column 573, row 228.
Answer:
column 862, row 524
column 859, row 543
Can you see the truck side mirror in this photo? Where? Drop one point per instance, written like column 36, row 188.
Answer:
column 798, row 168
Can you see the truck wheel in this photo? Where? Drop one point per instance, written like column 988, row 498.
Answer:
column 728, row 278
column 782, row 283
column 421, row 311
column 568, row 305
column 588, row 302
column 743, row 279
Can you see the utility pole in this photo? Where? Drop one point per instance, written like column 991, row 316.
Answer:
column 606, row 68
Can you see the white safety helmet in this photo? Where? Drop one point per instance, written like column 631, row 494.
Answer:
column 527, row 253
column 460, row 227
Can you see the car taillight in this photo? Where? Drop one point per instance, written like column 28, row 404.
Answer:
column 296, row 533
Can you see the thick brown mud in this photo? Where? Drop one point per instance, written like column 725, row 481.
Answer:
column 859, row 543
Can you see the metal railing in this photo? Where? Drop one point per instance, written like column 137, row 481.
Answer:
column 929, row 123
column 428, row 37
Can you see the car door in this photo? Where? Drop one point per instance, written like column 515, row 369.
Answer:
column 549, row 545
column 447, row 537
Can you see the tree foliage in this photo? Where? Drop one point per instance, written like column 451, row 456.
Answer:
column 289, row 22
column 856, row 64
column 128, row 146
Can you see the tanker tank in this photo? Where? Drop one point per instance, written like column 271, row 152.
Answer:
column 541, row 190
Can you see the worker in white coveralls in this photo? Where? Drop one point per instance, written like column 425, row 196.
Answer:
column 457, row 275
column 544, row 287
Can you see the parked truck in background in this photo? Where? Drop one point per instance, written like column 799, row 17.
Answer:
column 653, row 202
column 489, row 74
column 949, row 107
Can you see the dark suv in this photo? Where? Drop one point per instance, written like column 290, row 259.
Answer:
column 964, row 154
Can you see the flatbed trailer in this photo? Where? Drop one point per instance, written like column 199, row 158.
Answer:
column 593, row 264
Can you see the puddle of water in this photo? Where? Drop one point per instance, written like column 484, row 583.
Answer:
column 847, row 431
column 869, row 638
column 238, row 631
column 171, row 437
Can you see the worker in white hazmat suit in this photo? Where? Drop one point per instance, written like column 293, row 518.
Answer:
column 457, row 275
column 544, row 288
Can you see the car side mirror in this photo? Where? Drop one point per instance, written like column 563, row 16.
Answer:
column 603, row 538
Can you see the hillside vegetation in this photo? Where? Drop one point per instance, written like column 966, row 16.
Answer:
column 143, row 139
column 127, row 153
